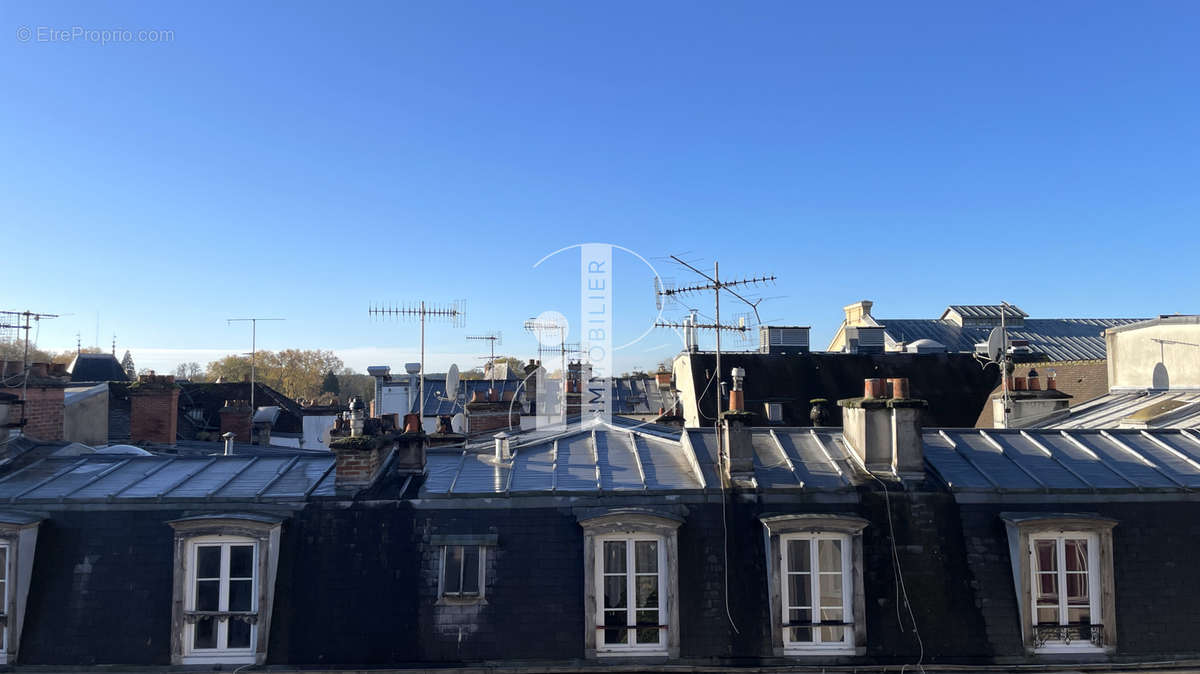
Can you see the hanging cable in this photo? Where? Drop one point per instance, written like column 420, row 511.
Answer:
column 898, row 574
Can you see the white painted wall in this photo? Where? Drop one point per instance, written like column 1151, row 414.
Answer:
column 1136, row 360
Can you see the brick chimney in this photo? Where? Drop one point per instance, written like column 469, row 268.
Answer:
column 1028, row 403
column 154, row 409
column 884, row 430
column 531, row 384
column 738, row 450
column 361, row 447
column 235, row 418
column 485, row 414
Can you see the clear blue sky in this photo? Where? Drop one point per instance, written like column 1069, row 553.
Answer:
column 303, row 160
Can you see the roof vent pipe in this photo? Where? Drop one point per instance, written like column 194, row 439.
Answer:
column 503, row 446
column 229, row 442
column 737, row 397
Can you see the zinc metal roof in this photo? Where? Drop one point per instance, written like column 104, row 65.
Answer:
column 986, row 310
column 1151, row 409
column 1064, row 461
column 108, row 479
column 1057, row 338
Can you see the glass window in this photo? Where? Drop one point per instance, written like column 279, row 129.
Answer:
column 221, row 608
column 462, row 570
column 817, row 606
column 1064, row 581
column 631, row 577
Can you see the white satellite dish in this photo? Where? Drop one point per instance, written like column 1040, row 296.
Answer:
column 458, row 422
column 452, row 383
column 995, row 345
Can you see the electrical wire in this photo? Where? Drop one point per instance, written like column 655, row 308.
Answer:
column 723, row 458
column 898, row 574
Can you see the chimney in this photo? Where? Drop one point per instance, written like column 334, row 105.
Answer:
column 235, row 418
column 485, row 415
column 662, row 379
column 228, row 443
column 737, row 448
column 154, row 409
column 531, row 384
column 1035, row 382
column 410, row 447
column 1028, row 403
column 885, row 432
column 855, row 313
column 358, row 416
column 1051, row 380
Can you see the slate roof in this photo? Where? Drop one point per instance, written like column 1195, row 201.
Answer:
column 1064, row 461
column 631, row 395
column 1057, row 338
column 122, row 479
column 96, row 367
column 205, row 399
column 639, row 395
column 1153, row 409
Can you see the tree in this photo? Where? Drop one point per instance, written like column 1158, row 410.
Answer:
column 190, row 371
column 128, row 366
column 296, row 373
column 330, row 385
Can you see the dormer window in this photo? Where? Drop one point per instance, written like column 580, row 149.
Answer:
column 18, row 541
column 224, row 588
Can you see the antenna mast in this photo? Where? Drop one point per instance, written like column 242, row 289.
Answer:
column 10, row 322
column 492, row 338
column 253, row 348
column 455, row 312
column 538, row 327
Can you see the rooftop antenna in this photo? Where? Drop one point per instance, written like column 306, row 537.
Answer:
column 540, row 327
column 493, row 338
column 998, row 352
column 114, row 349
column 10, row 322
column 716, row 285
column 78, row 344
column 455, row 313
column 253, row 347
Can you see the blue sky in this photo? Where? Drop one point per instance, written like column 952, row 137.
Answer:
column 304, row 160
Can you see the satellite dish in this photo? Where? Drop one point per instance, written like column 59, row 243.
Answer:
column 452, row 383
column 995, row 345
column 457, row 422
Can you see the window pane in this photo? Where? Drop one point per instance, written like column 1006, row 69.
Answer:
column 3, row 564
column 1047, row 587
column 647, row 592
column 1046, row 556
column 799, row 589
column 645, row 555
column 1080, row 615
column 241, row 561
column 831, row 615
column 1077, row 588
column 614, row 556
column 614, row 592
column 615, row 620
column 800, row 634
column 206, row 633
column 833, row 634
column 831, row 590
column 1047, row 615
column 451, row 570
column 797, row 556
column 208, row 595
column 830, row 554
column 239, row 634
column 208, row 561
column 647, row 636
column 240, row 592
column 1076, row 555
column 470, row 575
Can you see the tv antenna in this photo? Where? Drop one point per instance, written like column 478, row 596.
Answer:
column 541, row 326
column 999, row 351
column 716, row 285
column 253, row 348
column 10, row 323
column 455, row 313
column 493, row 338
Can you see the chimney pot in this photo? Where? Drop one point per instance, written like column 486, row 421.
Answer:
column 1019, row 383
column 874, row 388
column 899, row 387
column 1052, row 381
column 412, row 423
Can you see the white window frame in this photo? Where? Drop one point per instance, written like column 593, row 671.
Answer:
column 18, row 536
column 193, row 655
column 846, row 645
column 600, row 524
column 460, row 596
column 631, row 574
column 260, row 529
column 1023, row 529
column 778, row 529
column 1095, row 609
